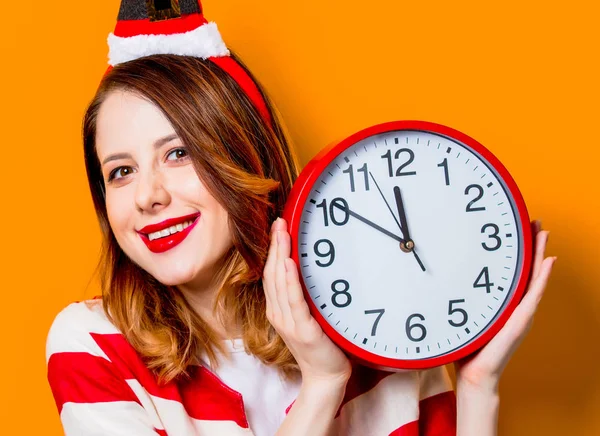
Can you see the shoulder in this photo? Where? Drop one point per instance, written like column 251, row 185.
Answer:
column 72, row 329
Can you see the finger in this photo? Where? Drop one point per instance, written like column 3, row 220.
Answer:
column 269, row 279
column 283, row 252
column 541, row 240
column 299, row 308
column 536, row 288
column 497, row 352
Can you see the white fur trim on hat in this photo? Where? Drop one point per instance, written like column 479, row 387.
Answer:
column 204, row 42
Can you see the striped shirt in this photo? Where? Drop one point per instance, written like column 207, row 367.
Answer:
column 102, row 387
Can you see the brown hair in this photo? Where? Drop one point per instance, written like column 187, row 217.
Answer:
column 246, row 164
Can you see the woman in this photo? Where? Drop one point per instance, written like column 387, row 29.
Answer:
column 202, row 327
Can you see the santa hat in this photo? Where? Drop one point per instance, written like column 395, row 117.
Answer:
column 148, row 27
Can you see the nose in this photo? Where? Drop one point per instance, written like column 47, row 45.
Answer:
column 151, row 195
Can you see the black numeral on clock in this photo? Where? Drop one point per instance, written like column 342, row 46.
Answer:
column 330, row 253
column 444, row 165
column 411, row 158
column 380, row 312
column 452, row 311
column 343, row 294
column 485, row 276
column 476, row 199
column 350, row 171
column 336, row 203
column 494, row 235
column 419, row 330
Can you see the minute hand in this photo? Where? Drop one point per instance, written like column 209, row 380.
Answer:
column 402, row 214
column 368, row 222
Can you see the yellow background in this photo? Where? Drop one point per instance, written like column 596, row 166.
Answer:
column 520, row 77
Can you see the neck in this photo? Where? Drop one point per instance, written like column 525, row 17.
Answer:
column 202, row 300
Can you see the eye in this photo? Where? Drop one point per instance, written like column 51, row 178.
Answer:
column 119, row 173
column 178, row 153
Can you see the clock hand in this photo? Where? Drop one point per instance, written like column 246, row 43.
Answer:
column 401, row 213
column 410, row 245
column 387, row 204
column 368, row 222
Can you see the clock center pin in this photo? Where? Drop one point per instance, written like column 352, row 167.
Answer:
column 407, row 246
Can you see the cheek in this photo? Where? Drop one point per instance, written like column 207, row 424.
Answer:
column 117, row 210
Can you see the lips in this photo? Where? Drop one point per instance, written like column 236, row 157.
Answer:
column 162, row 244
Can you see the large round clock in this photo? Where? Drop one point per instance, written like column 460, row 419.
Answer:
column 413, row 244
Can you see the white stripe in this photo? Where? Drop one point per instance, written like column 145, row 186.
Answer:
column 204, row 42
column 70, row 331
column 434, row 381
column 117, row 418
column 392, row 403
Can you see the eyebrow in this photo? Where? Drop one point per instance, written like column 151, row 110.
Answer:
column 157, row 144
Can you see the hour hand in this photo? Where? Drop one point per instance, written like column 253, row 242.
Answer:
column 368, row 222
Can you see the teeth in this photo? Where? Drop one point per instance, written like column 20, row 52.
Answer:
column 169, row 231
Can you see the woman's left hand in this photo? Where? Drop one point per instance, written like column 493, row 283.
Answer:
column 482, row 370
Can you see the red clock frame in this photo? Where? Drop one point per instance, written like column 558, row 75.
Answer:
column 297, row 200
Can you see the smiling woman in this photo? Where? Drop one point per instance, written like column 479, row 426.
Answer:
column 202, row 327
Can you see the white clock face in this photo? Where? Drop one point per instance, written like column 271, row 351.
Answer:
column 462, row 219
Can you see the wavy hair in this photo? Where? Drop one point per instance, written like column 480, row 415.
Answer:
column 246, row 164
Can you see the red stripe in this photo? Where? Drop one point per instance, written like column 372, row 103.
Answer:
column 127, row 28
column 437, row 417
column 161, row 432
column 83, row 378
column 410, row 429
column 203, row 396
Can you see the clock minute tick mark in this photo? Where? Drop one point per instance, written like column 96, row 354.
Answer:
column 330, row 173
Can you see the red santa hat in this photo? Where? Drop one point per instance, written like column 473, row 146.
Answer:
column 148, row 27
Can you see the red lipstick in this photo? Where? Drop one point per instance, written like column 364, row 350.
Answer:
column 165, row 243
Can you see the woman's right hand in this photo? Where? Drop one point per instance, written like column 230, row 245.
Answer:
column 320, row 360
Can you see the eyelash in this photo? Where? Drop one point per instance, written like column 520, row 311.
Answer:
column 114, row 172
